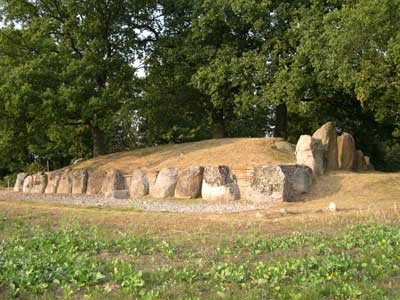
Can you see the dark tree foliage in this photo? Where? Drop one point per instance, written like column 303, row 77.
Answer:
column 83, row 78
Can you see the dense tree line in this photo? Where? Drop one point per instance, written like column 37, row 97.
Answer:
column 83, row 78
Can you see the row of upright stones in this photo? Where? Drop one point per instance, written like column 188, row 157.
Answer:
column 268, row 183
column 326, row 150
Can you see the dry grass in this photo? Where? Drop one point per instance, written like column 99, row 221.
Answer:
column 239, row 152
column 359, row 198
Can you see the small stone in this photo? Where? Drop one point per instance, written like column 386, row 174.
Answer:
column 332, row 207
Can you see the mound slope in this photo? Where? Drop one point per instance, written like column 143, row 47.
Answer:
column 234, row 153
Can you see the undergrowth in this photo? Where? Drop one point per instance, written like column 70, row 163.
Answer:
column 75, row 262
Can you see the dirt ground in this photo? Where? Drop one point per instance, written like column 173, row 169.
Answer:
column 359, row 197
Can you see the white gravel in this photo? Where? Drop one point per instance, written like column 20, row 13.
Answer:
column 139, row 204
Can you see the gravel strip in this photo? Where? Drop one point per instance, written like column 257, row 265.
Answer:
column 140, row 204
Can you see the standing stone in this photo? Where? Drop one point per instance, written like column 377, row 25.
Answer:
column 19, row 183
column 165, row 183
column 65, row 183
column 79, row 181
column 268, row 185
column 139, row 185
column 328, row 137
column 368, row 165
column 189, row 182
column 346, row 151
column 95, row 182
column 309, row 152
column 28, row 182
column 219, row 184
column 39, row 183
column 53, row 179
column 358, row 163
column 114, row 181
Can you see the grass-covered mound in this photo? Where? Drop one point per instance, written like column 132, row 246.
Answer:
column 238, row 152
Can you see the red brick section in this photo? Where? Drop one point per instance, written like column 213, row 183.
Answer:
column 243, row 176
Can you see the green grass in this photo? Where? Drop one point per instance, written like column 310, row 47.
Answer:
column 75, row 261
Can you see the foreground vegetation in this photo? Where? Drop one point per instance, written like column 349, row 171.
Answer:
column 72, row 261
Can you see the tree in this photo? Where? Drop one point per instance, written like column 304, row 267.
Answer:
column 74, row 61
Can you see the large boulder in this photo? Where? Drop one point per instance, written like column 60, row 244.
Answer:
column 299, row 179
column 114, row 181
column 39, row 183
column 309, row 152
column 139, row 185
column 79, row 181
column 65, row 183
column 19, row 183
column 189, row 182
column 28, row 182
column 219, row 184
column 346, row 151
column 53, row 180
column 165, row 184
column 95, row 182
column 328, row 137
column 268, row 184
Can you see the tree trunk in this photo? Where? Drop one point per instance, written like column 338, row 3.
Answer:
column 99, row 141
column 218, row 126
column 281, row 121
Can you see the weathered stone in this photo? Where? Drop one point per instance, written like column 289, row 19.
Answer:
column 309, row 152
column 165, row 183
column 95, row 182
column 358, row 162
column 268, row 185
column 39, row 183
column 53, row 179
column 19, row 183
column 189, row 182
column 28, row 182
column 299, row 178
column 346, row 151
column 139, row 185
column 219, row 184
column 368, row 165
column 79, row 181
column 65, row 183
column 328, row 137
column 114, row 181
column 284, row 146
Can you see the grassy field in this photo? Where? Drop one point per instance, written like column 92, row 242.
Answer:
column 293, row 251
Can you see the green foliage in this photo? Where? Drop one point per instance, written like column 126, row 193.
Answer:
column 357, row 262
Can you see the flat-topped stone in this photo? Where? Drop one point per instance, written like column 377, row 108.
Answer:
column 219, row 184
column 189, row 182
